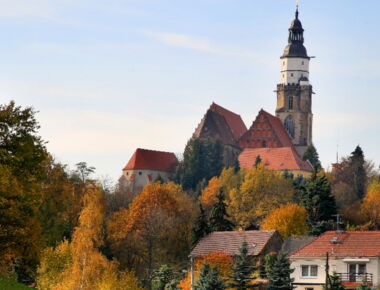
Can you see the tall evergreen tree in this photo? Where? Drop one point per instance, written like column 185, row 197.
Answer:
column 316, row 197
column 312, row 156
column 279, row 274
column 242, row 270
column 218, row 220
column 334, row 283
column 200, row 228
column 359, row 176
column 164, row 279
column 209, row 279
column 202, row 159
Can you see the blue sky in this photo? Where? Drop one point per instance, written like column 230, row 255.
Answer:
column 110, row 76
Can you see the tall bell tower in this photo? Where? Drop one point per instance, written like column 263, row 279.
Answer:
column 294, row 92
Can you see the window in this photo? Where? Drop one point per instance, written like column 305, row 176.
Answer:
column 309, row 288
column 140, row 172
column 289, row 126
column 309, row 270
column 290, row 103
column 303, row 62
column 291, row 74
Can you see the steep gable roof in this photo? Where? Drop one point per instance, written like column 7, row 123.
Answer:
column 266, row 129
column 214, row 125
column 283, row 158
column 348, row 244
column 152, row 160
column 234, row 121
column 230, row 242
column 293, row 244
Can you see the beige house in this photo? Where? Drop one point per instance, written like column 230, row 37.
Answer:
column 148, row 166
column 353, row 255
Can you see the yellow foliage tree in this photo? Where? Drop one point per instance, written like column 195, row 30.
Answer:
column 261, row 191
column 221, row 260
column 161, row 215
column 371, row 205
column 80, row 265
column 290, row 220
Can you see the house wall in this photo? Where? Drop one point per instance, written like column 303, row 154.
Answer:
column 137, row 179
column 337, row 265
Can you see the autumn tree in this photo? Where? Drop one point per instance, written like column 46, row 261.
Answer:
column 317, row 199
column 371, row 205
column 219, row 218
column 80, row 265
column 289, row 220
column 222, row 261
column 22, row 160
column 161, row 215
column 260, row 191
column 60, row 205
column 209, row 195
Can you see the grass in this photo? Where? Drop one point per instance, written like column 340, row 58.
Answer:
column 10, row 284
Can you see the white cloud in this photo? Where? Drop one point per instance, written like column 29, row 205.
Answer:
column 198, row 44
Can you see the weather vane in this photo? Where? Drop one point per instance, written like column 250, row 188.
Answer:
column 297, row 2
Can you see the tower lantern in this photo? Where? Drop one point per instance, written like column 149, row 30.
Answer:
column 294, row 92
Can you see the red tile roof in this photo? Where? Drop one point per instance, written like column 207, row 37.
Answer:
column 230, row 242
column 274, row 158
column 349, row 244
column 152, row 160
column 235, row 122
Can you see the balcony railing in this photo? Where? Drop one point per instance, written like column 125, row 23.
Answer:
column 356, row 278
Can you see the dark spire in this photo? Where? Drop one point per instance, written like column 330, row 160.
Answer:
column 295, row 47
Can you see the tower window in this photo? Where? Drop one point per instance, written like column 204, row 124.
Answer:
column 290, row 103
column 303, row 62
column 289, row 125
column 291, row 74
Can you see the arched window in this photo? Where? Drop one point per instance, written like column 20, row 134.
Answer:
column 290, row 103
column 289, row 126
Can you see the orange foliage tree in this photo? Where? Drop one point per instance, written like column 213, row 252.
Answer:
column 371, row 205
column 223, row 261
column 161, row 215
column 289, row 220
column 208, row 197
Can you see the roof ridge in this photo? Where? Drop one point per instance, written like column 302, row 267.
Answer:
column 152, row 150
column 219, row 106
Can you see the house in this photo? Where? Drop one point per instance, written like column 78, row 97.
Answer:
column 260, row 243
column 353, row 255
column 148, row 166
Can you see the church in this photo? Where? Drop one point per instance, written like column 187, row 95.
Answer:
column 279, row 140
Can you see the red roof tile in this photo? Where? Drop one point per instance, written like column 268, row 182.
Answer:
column 279, row 129
column 349, row 244
column 230, row 242
column 235, row 122
column 152, row 160
column 274, row 158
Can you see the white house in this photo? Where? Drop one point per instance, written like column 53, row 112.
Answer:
column 147, row 166
column 353, row 255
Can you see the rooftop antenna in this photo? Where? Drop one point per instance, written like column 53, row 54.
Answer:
column 338, row 216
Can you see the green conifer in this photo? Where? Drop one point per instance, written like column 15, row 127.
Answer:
column 200, row 228
column 312, row 156
column 209, row 279
column 218, row 220
column 320, row 204
column 279, row 274
column 334, row 283
column 242, row 270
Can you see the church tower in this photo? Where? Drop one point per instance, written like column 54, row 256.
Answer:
column 294, row 92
